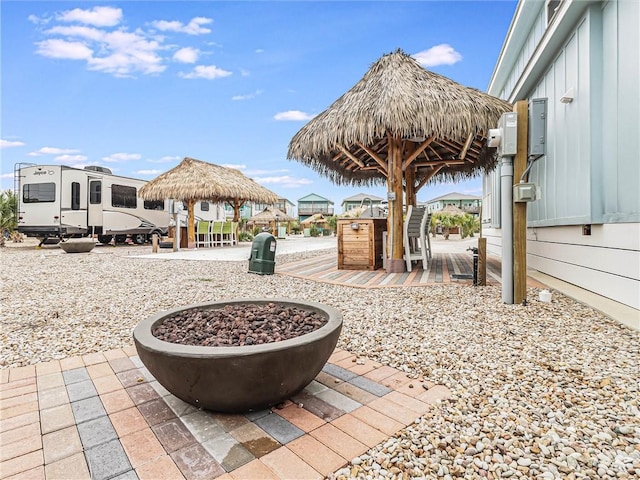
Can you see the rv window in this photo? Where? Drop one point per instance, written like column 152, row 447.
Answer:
column 204, row 206
column 123, row 196
column 39, row 192
column 75, row 196
column 154, row 204
column 95, row 193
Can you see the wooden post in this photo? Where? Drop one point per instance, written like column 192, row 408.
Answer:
column 154, row 243
column 482, row 261
column 520, row 208
column 410, row 176
column 191, row 229
column 396, row 263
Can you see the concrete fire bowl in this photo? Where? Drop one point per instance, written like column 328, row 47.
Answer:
column 77, row 245
column 241, row 378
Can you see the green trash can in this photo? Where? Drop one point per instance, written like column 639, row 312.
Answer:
column 263, row 254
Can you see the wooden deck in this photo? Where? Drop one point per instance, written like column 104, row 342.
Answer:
column 443, row 268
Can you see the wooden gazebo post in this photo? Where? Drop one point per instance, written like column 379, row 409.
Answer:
column 395, row 263
column 191, row 228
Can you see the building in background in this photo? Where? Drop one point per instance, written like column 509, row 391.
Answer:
column 313, row 204
column 582, row 56
column 467, row 203
column 360, row 200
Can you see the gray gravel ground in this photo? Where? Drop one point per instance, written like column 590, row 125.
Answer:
column 539, row 391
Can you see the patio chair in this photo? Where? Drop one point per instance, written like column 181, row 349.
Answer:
column 203, row 234
column 415, row 241
column 227, row 233
column 216, row 233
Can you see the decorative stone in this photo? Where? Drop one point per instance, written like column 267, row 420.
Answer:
column 238, row 378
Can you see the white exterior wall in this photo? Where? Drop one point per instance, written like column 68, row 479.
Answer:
column 591, row 172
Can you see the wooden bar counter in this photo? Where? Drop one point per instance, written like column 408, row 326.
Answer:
column 360, row 243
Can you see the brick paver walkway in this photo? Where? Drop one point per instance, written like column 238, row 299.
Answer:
column 103, row 416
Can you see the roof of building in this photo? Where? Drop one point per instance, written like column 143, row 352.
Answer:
column 313, row 197
column 454, row 196
column 362, row 196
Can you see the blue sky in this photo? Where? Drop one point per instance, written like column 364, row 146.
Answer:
column 137, row 86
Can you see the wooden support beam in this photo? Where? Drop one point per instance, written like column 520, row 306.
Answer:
column 395, row 262
column 467, row 145
column 520, row 208
column 435, row 163
column 409, row 160
column 434, row 152
column 422, row 182
column 373, row 155
column 482, row 261
column 351, row 156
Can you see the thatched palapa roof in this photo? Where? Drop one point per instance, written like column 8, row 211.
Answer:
column 271, row 214
column 197, row 180
column 348, row 142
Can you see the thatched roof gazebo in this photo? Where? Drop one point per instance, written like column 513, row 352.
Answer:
column 271, row 216
column 404, row 126
column 194, row 180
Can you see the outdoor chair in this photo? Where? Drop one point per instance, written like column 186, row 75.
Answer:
column 216, row 233
column 228, row 233
column 203, row 234
column 416, row 237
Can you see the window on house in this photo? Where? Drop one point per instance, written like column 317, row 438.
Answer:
column 75, row 196
column 204, row 206
column 39, row 192
column 552, row 8
column 123, row 196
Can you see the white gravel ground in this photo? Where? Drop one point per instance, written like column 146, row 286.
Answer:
column 539, row 391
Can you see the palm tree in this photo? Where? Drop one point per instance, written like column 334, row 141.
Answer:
column 469, row 225
column 8, row 220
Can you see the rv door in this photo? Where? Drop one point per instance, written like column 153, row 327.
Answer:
column 94, row 210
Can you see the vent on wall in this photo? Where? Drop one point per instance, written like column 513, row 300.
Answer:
column 552, row 7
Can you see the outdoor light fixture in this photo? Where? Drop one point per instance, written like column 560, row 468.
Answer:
column 567, row 97
column 355, row 226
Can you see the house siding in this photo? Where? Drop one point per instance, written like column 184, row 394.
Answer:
column 589, row 175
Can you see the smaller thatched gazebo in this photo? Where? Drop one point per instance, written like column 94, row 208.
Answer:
column 194, row 180
column 271, row 216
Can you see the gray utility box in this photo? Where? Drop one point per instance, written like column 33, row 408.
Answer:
column 263, row 254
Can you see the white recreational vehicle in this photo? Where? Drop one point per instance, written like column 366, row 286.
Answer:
column 56, row 201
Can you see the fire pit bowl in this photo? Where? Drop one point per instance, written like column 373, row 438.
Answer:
column 243, row 378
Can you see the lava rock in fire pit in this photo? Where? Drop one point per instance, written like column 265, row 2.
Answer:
column 238, row 324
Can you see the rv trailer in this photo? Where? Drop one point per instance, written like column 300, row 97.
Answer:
column 60, row 201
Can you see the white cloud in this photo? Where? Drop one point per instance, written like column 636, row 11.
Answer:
column 244, row 72
column 122, row 157
column 443, row 54
column 148, row 172
column 57, row 48
column 259, row 50
column 237, row 166
column 71, row 158
column 88, row 33
column 207, row 72
column 248, row 96
column 265, row 172
column 98, row 16
column 194, row 27
column 187, row 55
column 293, row 115
column 167, row 159
column 6, row 175
column 284, row 181
column 9, row 144
column 38, row 20
column 53, row 151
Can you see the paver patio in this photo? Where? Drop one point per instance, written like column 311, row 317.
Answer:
column 103, row 416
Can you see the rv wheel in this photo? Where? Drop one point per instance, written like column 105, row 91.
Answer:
column 139, row 238
column 104, row 239
column 121, row 238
